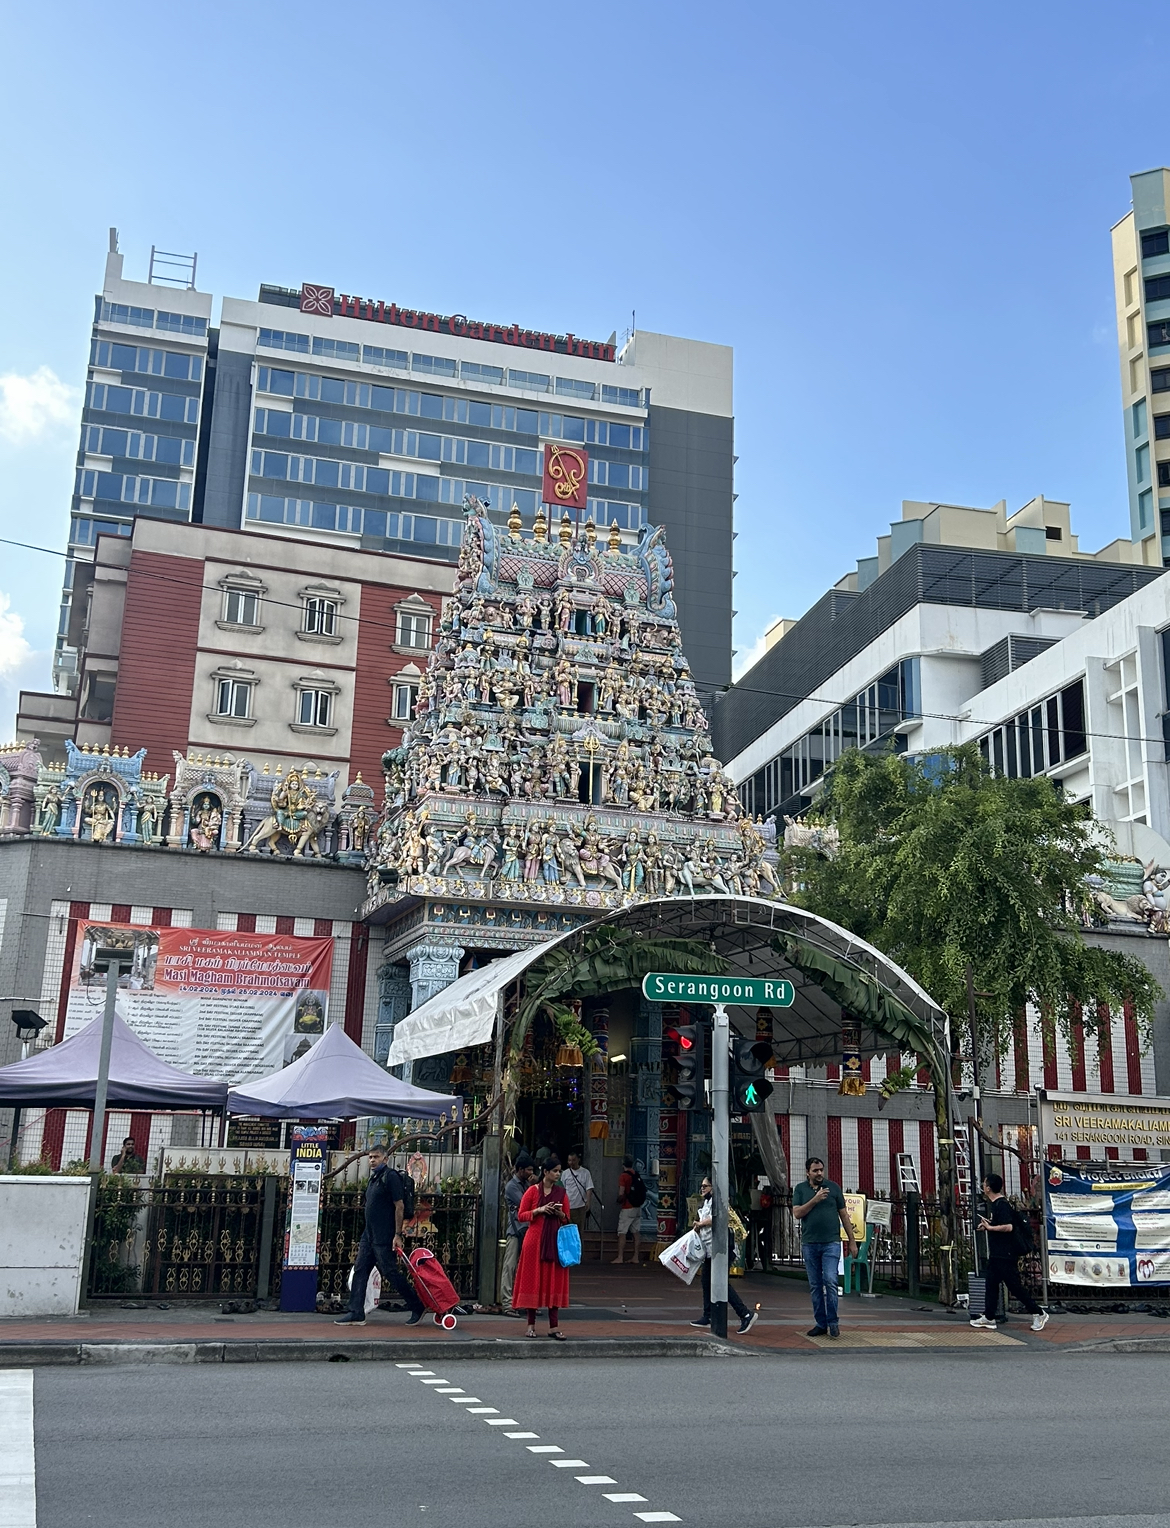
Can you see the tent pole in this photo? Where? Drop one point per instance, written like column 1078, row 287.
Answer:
column 492, row 1146
column 103, row 1078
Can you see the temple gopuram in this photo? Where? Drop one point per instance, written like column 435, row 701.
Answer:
column 558, row 763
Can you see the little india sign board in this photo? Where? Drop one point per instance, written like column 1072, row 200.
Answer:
column 763, row 992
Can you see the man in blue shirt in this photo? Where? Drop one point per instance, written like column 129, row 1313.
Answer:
column 820, row 1207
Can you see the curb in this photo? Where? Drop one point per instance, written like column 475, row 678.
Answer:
column 1123, row 1345
column 44, row 1354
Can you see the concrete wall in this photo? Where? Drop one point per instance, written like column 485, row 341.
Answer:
column 35, row 873
column 691, row 496
column 42, row 1244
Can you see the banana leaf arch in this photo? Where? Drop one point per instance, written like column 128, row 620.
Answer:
column 837, row 976
column 859, row 995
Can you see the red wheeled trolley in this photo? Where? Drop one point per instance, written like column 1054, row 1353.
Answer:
column 433, row 1287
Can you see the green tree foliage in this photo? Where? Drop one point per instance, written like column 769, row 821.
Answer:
column 945, row 865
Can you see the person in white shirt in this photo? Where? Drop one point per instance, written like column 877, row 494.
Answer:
column 577, row 1182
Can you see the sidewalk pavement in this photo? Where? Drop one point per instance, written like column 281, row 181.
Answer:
column 627, row 1312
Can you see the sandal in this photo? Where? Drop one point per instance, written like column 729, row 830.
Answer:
column 531, row 1332
column 557, row 1336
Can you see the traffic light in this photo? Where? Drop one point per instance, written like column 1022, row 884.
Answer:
column 750, row 1089
column 686, row 1091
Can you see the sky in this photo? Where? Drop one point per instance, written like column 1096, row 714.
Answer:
column 898, row 216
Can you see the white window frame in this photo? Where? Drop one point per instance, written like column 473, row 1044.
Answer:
column 320, row 616
column 233, row 689
column 403, row 709
column 320, row 708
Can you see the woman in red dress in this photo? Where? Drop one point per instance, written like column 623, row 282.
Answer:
column 541, row 1282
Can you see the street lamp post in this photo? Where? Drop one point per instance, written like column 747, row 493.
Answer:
column 115, row 951
column 28, row 1024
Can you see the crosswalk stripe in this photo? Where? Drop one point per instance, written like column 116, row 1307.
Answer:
column 18, row 1481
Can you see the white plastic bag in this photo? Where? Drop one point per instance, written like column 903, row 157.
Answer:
column 373, row 1289
column 684, row 1257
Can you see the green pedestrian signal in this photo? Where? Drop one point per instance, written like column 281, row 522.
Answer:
column 749, row 1088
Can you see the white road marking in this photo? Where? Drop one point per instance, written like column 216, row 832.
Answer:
column 409, row 1366
column 492, row 1417
column 18, row 1481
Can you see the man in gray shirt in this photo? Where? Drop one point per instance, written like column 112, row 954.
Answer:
column 514, row 1191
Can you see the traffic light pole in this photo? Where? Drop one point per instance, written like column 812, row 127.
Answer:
column 720, row 1168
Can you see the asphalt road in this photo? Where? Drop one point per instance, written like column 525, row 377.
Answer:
column 997, row 1438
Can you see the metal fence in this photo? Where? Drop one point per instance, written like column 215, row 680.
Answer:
column 213, row 1236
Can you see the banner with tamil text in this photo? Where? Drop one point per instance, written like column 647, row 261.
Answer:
column 227, row 1005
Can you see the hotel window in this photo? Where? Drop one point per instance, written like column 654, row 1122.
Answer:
column 405, row 700
column 234, row 698
column 241, row 607
column 1157, row 243
column 1039, row 739
column 320, row 617
column 315, row 708
column 1162, row 426
column 414, row 629
column 1159, row 334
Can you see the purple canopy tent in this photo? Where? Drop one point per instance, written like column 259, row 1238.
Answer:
column 337, row 1080
column 65, row 1077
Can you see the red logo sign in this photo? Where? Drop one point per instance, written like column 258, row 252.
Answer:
column 566, row 476
column 317, row 299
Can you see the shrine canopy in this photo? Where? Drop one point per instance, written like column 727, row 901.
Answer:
column 335, row 1079
column 65, row 1076
column 839, row 981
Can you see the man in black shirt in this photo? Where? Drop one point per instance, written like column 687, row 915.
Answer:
column 1004, row 1249
column 381, row 1243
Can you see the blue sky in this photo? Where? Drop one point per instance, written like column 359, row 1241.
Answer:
column 898, row 216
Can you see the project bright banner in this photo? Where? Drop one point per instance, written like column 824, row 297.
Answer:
column 1108, row 1227
column 226, row 1005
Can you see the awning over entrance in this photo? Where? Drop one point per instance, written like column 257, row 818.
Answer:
column 464, row 1013
column 832, row 970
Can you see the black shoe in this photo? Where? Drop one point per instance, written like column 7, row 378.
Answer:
column 818, row 1331
column 415, row 1317
column 700, row 1323
column 349, row 1319
column 748, row 1321
column 834, row 1330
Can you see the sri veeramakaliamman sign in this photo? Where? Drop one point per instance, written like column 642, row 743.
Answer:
column 661, row 987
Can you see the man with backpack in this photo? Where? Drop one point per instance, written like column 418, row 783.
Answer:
column 631, row 1198
column 389, row 1202
column 1008, row 1238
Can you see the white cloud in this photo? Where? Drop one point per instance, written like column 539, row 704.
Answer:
column 14, row 648
column 746, row 657
column 34, row 406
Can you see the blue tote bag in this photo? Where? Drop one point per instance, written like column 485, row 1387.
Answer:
column 568, row 1246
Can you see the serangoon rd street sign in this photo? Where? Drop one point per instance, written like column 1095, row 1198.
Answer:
column 759, row 992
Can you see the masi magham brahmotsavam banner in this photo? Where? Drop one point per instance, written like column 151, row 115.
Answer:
column 227, row 1005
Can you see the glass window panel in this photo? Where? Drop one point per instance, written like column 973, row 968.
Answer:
column 324, row 517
